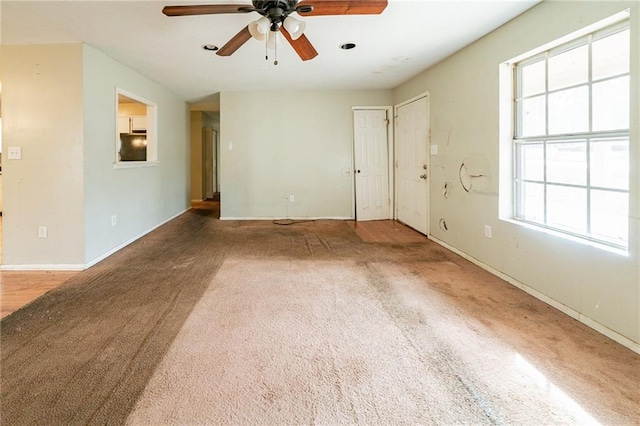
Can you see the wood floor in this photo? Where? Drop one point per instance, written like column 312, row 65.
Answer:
column 386, row 231
column 18, row 288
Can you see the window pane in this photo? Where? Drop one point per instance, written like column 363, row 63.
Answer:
column 532, row 116
column 611, row 104
column 569, row 111
column 610, row 216
column 611, row 55
column 569, row 68
column 567, row 208
column 533, row 79
column 610, row 163
column 567, row 163
column 531, row 202
column 531, row 164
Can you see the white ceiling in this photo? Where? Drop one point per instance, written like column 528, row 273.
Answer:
column 406, row 38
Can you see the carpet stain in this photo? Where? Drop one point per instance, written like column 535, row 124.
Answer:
column 227, row 322
column 482, row 402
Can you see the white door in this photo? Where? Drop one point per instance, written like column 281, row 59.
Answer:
column 412, row 189
column 371, row 158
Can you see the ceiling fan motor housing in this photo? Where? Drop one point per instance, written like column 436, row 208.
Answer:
column 287, row 5
column 275, row 10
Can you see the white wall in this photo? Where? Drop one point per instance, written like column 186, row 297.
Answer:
column 598, row 286
column 43, row 114
column 140, row 197
column 276, row 144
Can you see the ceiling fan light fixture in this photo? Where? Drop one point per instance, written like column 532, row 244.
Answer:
column 273, row 41
column 276, row 18
column 294, row 27
column 259, row 28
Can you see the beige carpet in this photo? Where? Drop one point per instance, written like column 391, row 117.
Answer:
column 343, row 342
column 221, row 322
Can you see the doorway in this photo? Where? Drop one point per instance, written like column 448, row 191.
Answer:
column 371, row 151
column 210, row 163
column 412, row 163
column 205, row 154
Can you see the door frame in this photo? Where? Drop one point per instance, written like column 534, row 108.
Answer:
column 390, row 154
column 425, row 94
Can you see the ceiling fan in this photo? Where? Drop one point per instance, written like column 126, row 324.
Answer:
column 275, row 18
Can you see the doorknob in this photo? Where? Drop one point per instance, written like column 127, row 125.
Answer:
column 424, row 176
column 357, row 171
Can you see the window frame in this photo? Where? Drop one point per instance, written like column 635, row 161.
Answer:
column 513, row 71
column 151, row 133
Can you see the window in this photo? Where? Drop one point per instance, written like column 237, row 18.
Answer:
column 136, row 130
column 571, row 137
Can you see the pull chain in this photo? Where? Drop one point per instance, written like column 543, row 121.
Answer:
column 275, row 47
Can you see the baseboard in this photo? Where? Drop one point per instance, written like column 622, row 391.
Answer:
column 137, row 237
column 45, row 267
column 83, row 266
column 613, row 335
column 289, row 218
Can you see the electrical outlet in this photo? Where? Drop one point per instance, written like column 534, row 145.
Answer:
column 15, row 153
column 42, row 231
column 292, row 198
column 487, row 231
column 434, row 149
column 114, row 220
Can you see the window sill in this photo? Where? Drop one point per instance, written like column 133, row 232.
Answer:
column 134, row 164
column 583, row 241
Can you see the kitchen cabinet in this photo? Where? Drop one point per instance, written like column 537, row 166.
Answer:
column 134, row 124
column 123, row 125
column 139, row 124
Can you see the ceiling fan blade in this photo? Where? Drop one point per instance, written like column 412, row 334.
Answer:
column 302, row 45
column 205, row 9
column 343, row 7
column 235, row 43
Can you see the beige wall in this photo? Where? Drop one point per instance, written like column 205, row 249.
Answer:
column 303, row 147
column 60, row 108
column 196, row 156
column 599, row 287
column 43, row 114
column 199, row 120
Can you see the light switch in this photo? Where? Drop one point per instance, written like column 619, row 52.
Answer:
column 434, row 149
column 15, row 153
